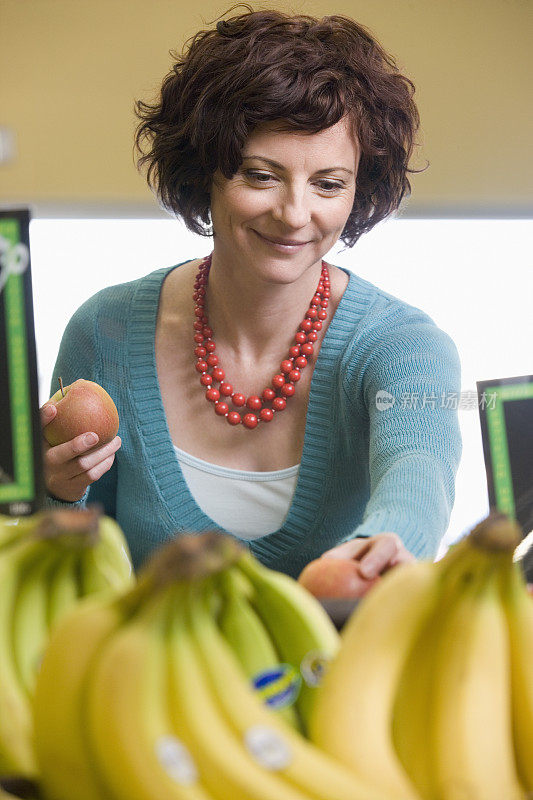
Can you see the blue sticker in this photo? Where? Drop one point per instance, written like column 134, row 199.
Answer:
column 278, row 686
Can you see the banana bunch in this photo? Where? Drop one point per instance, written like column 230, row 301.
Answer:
column 147, row 695
column 47, row 563
column 431, row 693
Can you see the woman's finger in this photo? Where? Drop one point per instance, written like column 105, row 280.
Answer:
column 62, row 453
column 89, row 461
column 355, row 548
column 387, row 550
column 47, row 413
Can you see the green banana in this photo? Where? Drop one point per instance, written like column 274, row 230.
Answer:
column 272, row 743
column 518, row 606
column 65, row 767
column 131, row 738
column 30, row 615
column 247, row 636
column 16, row 753
column 226, row 767
column 300, row 628
column 64, row 590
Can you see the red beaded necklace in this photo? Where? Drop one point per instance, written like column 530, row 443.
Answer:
column 283, row 384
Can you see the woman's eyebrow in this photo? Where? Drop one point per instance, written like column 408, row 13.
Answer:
column 277, row 165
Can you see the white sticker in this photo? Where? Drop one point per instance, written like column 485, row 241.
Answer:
column 313, row 668
column 267, row 747
column 176, row 760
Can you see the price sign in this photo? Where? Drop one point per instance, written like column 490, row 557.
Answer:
column 21, row 485
column 506, row 413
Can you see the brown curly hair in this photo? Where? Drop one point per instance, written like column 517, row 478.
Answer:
column 266, row 66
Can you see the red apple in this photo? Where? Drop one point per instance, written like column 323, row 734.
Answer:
column 328, row 578
column 82, row 406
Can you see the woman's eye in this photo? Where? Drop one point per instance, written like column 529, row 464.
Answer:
column 329, row 186
column 259, row 177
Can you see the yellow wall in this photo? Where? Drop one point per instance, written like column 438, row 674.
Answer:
column 71, row 69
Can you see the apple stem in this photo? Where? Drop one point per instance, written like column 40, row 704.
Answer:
column 61, row 387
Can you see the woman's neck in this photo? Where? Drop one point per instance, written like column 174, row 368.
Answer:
column 254, row 317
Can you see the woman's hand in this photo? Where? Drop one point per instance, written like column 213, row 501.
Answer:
column 373, row 555
column 71, row 467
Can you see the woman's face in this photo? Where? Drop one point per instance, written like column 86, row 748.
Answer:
column 289, row 201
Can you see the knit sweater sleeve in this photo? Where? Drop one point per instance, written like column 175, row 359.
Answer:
column 409, row 377
column 79, row 357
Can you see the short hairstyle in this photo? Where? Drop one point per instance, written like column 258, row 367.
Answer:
column 268, row 66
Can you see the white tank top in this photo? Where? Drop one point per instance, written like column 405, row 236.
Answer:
column 247, row 504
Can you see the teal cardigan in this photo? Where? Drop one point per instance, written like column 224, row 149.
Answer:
column 364, row 469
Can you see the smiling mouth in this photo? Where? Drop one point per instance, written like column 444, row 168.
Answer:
column 284, row 242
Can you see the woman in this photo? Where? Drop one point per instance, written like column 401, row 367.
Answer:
column 283, row 133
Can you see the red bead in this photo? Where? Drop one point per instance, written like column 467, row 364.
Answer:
column 278, row 381
column 254, row 403
column 198, row 312
column 307, row 349
column 200, row 351
column 322, row 314
column 300, row 337
column 279, row 403
column 234, row 418
column 221, row 408
column 306, row 325
column 286, row 366
column 288, row 389
column 294, row 375
column 294, row 350
column 300, row 363
column 312, row 336
column 324, row 303
column 197, row 325
column 317, row 326
column 316, row 300
column 213, row 395
column 311, row 313
column 266, row 414
column 250, row 421
column 268, row 394
column 212, row 360
column 201, row 365
column 218, row 374
column 210, row 346
column 238, row 399
column 207, row 332
column 199, row 338
column 226, row 389
column 206, row 379
column 326, row 293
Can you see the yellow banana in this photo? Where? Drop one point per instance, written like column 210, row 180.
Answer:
column 131, row 738
column 65, row 767
column 226, row 767
column 291, row 757
column 352, row 718
column 470, row 724
column 247, row 636
column 301, row 630
column 518, row 606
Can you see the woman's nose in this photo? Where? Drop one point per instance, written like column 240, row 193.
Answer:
column 293, row 209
